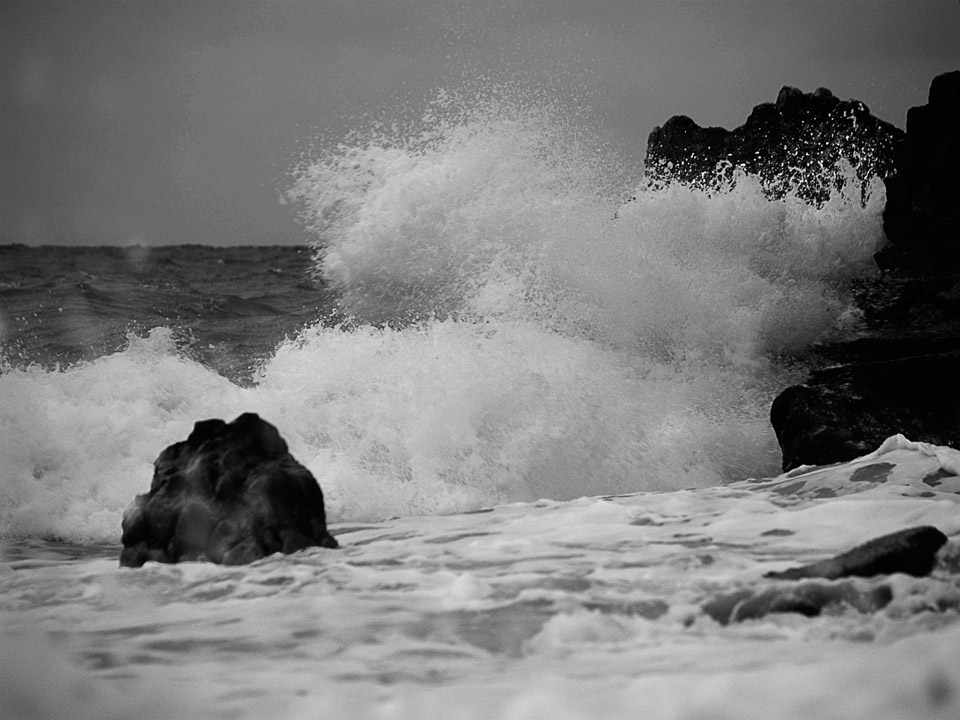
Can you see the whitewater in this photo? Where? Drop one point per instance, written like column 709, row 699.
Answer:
column 534, row 404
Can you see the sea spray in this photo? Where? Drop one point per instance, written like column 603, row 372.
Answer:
column 451, row 415
column 415, row 225
column 728, row 275
column 500, row 214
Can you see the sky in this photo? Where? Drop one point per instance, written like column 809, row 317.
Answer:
column 179, row 121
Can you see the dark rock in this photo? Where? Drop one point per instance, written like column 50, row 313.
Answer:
column 796, row 144
column 809, row 599
column 845, row 412
column 903, row 374
column 922, row 216
column 231, row 494
column 912, row 551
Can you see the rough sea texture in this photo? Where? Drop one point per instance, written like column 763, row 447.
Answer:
column 227, row 307
column 534, row 411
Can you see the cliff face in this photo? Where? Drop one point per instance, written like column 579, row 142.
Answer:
column 904, row 375
column 794, row 143
column 922, row 216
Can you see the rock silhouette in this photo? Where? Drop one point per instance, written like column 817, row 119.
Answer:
column 230, row 493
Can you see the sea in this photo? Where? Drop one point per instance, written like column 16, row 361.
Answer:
column 536, row 401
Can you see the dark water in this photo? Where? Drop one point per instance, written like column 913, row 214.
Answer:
column 228, row 306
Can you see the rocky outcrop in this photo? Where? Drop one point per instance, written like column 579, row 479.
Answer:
column 903, row 375
column 230, row 493
column 795, row 143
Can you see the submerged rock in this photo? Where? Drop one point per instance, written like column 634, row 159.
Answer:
column 230, row 493
column 809, row 599
column 912, row 551
column 903, row 374
column 830, row 582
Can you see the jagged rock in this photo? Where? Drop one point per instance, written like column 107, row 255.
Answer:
column 231, row 494
column 795, row 143
column 912, row 551
column 809, row 599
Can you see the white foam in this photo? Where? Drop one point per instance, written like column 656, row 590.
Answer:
column 445, row 417
column 76, row 446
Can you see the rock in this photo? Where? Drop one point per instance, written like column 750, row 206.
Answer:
column 922, row 216
column 903, row 374
column 794, row 143
column 230, row 493
column 809, row 599
column 912, row 551
column 845, row 412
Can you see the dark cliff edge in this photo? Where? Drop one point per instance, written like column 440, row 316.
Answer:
column 903, row 376
column 902, row 373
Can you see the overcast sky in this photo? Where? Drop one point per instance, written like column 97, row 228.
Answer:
column 171, row 121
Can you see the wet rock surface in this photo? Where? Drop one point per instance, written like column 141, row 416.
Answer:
column 912, row 551
column 230, row 493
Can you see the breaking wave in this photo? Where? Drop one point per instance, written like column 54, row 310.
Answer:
column 509, row 329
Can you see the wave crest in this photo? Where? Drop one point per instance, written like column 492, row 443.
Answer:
column 501, row 213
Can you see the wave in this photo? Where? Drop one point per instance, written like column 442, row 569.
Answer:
column 511, row 330
column 499, row 216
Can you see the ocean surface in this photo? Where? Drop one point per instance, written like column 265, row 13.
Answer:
column 534, row 409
